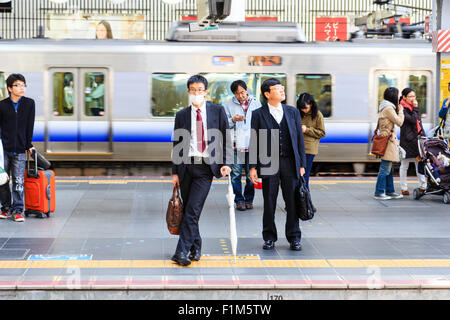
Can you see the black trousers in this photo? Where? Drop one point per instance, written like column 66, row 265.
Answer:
column 194, row 185
column 287, row 177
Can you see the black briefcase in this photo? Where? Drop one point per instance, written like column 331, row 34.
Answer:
column 42, row 162
column 304, row 207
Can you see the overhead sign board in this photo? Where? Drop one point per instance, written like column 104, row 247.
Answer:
column 331, row 29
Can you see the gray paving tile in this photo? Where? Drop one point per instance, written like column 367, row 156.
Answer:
column 128, row 222
column 37, row 272
column 11, row 272
column 251, row 271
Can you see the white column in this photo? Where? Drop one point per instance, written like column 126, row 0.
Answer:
column 237, row 12
column 441, row 13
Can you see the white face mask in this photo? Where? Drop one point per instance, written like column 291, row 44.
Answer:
column 196, row 99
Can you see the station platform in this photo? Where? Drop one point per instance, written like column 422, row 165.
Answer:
column 108, row 239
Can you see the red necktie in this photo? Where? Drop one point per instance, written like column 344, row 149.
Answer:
column 201, row 145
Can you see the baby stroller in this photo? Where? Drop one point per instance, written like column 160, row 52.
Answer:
column 429, row 149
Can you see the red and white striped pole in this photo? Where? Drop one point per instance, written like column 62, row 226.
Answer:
column 441, row 41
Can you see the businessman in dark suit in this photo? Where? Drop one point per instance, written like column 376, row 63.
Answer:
column 202, row 150
column 282, row 161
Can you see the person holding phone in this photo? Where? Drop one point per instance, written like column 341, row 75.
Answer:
column 239, row 111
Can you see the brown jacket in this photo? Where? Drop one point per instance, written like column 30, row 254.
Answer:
column 387, row 119
column 315, row 130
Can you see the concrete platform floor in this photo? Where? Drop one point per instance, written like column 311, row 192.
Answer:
column 110, row 234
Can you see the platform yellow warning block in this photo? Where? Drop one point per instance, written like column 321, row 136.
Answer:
column 213, row 264
column 48, row 264
column 14, row 264
column 247, row 264
column 230, row 257
column 148, row 264
column 379, row 263
column 346, row 263
column 114, row 264
column 82, row 264
column 411, row 263
column 437, row 263
column 279, row 263
column 312, row 263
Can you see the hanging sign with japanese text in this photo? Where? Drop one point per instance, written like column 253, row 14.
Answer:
column 331, row 29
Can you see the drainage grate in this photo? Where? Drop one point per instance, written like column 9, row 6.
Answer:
column 13, row 254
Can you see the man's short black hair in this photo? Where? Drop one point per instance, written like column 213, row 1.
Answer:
column 197, row 79
column 265, row 87
column 236, row 84
column 13, row 78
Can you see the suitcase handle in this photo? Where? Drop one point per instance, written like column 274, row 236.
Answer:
column 36, row 171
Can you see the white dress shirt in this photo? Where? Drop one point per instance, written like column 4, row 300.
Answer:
column 276, row 112
column 193, row 151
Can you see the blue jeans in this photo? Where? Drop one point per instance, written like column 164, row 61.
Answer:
column 309, row 162
column 15, row 168
column 241, row 159
column 385, row 179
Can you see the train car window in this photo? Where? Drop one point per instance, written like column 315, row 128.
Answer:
column 94, row 94
column 385, row 81
column 418, row 82
column 319, row 86
column 219, row 84
column 63, row 94
column 169, row 93
column 3, row 90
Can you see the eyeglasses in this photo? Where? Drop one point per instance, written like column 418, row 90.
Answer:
column 19, row 85
column 277, row 88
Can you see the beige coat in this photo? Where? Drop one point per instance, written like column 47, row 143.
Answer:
column 387, row 119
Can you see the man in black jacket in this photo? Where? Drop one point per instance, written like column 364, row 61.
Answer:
column 202, row 150
column 16, row 123
column 278, row 127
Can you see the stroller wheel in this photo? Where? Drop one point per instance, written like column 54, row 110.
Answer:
column 447, row 197
column 417, row 194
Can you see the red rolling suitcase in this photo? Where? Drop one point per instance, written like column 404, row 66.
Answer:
column 39, row 190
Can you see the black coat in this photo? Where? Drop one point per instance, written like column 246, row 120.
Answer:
column 17, row 127
column 409, row 132
column 220, row 147
column 261, row 122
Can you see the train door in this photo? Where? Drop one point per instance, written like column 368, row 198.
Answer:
column 78, row 111
column 418, row 80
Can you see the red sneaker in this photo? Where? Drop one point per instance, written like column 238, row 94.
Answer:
column 18, row 218
column 4, row 214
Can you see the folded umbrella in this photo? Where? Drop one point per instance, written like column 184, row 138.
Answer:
column 233, row 231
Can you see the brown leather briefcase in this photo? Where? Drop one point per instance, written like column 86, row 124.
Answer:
column 174, row 214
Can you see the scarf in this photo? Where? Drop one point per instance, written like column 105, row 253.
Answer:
column 410, row 108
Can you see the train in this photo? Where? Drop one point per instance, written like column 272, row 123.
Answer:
column 115, row 100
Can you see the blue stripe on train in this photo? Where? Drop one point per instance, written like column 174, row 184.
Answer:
column 163, row 132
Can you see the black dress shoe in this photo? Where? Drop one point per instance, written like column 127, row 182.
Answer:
column 269, row 245
column 195, row 255
column 295, row 245
column 181, row 259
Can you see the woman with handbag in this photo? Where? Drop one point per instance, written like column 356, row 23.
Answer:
column 389, row 115
column 313, row 129
column 409, row 132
